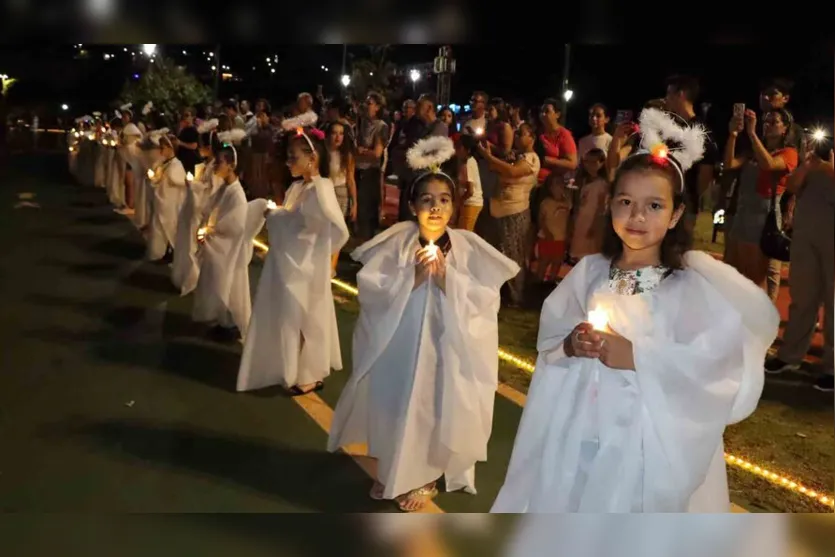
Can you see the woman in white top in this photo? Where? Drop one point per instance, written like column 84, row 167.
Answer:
column 599, row 138
column 511, row 204
column 342, row 174
column 472, row 199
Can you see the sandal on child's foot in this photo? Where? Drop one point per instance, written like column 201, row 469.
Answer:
column 295, row 390
column 376, row 492
column 417, row 499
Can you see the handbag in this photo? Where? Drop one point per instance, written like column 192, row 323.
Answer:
column 775, row 243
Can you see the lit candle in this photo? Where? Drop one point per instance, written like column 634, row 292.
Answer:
column 189, row 177
column 479, row 131
column 201, row 233
column 431, row 250
column 151, row 173
column 271, row 205
column 72, row 148
column 598, row 319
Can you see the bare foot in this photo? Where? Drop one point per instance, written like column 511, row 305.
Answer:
column 416, row 499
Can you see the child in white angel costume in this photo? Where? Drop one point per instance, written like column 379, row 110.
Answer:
column 646, row 353
column 425, row 367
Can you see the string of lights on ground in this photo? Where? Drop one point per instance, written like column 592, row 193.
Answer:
column 735, row 461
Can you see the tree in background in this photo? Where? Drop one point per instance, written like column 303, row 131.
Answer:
column 169, row 86
column 375, row 72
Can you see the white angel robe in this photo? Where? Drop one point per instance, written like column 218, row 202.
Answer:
column 115, row 181
column 595, row 439
column 222, row 292
column 102, row 158
column 294, row 299
column 186, row 267
column 425, row 366
column 169, row 195
column 144, row 195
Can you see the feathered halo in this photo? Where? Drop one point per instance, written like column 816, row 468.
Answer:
column 430, row 153
column 117, row 114
column 229, row 138
column 96, row 113
column 232, row 136
column 155, row 135
column 207, row 125
column 149, row 106
column 663, row 137
column 305, row 120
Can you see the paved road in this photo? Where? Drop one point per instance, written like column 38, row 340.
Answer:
column 112, row 401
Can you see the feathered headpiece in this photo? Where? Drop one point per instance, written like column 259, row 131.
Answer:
column 207, row 125
column 97, row 114
column 318, row 134
column 127, row 108
column 305, row 120
column 117, row 114
column 155, row 135
column 429, row 154
column 232, row 136
column 149, row 106
column 664, row 138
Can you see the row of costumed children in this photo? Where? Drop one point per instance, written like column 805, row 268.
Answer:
column 646, row 351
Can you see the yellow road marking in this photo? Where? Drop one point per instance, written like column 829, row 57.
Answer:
column 322, row 414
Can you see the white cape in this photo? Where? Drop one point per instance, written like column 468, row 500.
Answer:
column 655, row 535
column 222, row 291
column 186, row 268
column 101, row 162
column 115, row 180
column 425, row 363
column 594, row 439
column 144, row 195
column 169, row 195
column 294, row 298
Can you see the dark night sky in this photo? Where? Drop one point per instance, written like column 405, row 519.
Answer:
column 619, row 76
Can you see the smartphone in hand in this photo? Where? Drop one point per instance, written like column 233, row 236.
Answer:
column 739, row 111
column 623, row 116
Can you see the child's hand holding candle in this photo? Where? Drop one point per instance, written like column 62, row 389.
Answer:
column 431, row 251
column 599, row 319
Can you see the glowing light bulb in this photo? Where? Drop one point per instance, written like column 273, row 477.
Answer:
column 598, row 319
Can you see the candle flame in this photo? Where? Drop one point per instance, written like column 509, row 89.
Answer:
column 432, row 250
column 150, row 173
column 201, row 233
column 598, row 319
column 189, row 177
column 479, row 131
column 271, row 205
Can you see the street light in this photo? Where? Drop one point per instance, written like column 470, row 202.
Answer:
column 149, row 49
column 65, row 107
column 568, row 94
column 414, row 75
column 346, row 80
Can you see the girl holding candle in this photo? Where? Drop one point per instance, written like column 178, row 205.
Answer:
column 293, row 339
column 201, row 187
column 425, row 371
column 221, row 296
column 168, row 180
column 630, row 418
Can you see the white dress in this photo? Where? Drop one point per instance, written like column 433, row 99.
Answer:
column 294, row 298
column 425, row 367
column 595, row 439
column 169, row 195
column 186, row 268
column 222, row 292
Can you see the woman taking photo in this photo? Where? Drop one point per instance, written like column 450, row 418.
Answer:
column 763, row 175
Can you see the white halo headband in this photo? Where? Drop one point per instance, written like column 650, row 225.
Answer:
column 229, row 138
column 659, row 128
column 428, row 155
